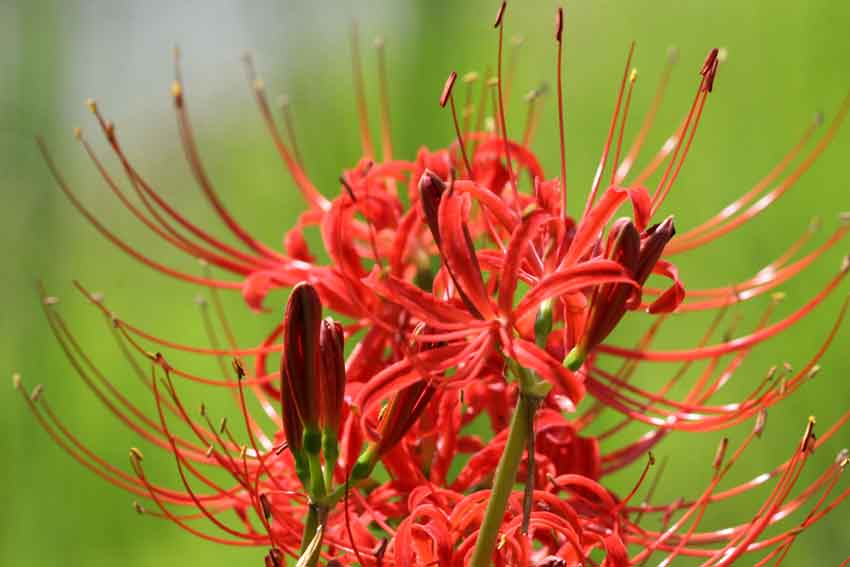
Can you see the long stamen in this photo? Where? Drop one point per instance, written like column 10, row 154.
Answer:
column 468, row 109
column 311, row 194
column 359, row 92
column 284, row 105
column 384, row 102
column 615, row 164
column 109, row 235
column 532, row 117
column 448, row 96
column 511, row 178
column 660, row 90
column 708, row 72
column 597, row 179
column 513, row 59
column 559, row 38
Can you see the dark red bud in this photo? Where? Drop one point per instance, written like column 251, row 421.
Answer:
column 653, row 246
column 402, row 413
column 301, row 354
column 332, row 372
column 431, row 189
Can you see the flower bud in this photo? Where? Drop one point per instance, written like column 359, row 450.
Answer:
column 639, row 255
column 300, row 389
column 332, row 373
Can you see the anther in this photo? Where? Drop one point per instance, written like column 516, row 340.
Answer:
column 843, row 458
column 203, row 410
column 559, row 24
column 266, row 505
column 813, row 372
column 447, row 89
column 672, row 54
column 140, row 510
column 709, row 62
column 238, row 368
column 177, row 93
column 709, row 69
column 78, row 133
column 209, row 451
column 222, row 426
column 92, row 104
column 470, row 77
column 808, row 436
column 136, row 455
column 721, row 453
column 761, row 421
column 37, row 392
column 16, row 381
column 500, row 14
column 845, row 264
column 51, row 300
column 844, row 217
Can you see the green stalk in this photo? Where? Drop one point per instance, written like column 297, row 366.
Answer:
column 317, row 481
column 311, row 524
column 503, row 484
column 316, row 490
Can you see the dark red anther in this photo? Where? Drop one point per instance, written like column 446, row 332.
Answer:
column 447, row 89
column 559, row 24
column 709, row 69
column 500, row 14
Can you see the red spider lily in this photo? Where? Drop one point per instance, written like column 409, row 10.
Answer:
column 520, row 287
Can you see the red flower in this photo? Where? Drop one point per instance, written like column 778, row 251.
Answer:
column 482, row 293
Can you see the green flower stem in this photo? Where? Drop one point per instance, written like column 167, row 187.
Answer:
column 316, row 490
column 360, row 474
column 311, row 524
column 503, row 484
column 330, row 450
column 317, row 482
column 316, row 516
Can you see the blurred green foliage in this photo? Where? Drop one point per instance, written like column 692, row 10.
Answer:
column 787, row 60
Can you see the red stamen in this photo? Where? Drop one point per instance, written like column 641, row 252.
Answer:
column 559, row 30
column 359, row 93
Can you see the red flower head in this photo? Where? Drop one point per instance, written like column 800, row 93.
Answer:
column 478, row 315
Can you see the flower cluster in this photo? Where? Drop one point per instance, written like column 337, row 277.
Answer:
column 475, row 311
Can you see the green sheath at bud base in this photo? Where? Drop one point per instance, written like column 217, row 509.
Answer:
column 575, row 358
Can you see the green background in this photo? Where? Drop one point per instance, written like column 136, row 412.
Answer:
column 786, row 61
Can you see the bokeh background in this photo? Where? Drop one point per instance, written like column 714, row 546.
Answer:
column 787, row 60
